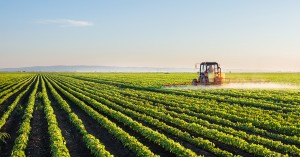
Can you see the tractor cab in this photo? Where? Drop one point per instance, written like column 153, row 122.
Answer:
column 209, row 73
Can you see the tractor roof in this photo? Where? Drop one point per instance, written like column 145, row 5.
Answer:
column 210, row 63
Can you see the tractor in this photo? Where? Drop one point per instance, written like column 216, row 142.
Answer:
column 209, row 74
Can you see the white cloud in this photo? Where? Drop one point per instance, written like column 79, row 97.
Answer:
column 67, row 23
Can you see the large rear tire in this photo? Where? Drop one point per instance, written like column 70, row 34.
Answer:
column 195, row 82
column 218, row 80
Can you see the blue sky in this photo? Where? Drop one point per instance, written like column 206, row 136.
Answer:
column 238, row 34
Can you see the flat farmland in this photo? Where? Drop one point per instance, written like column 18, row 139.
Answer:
column 133, row 114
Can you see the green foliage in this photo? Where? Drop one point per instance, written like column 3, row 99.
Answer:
column 255, row 122
column 93, row 144
column 39, row 95
column 22, row 140
column 58, row 143
column 3, row 137
column 237, row 113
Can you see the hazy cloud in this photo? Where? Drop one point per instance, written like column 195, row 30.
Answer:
column 67, row 23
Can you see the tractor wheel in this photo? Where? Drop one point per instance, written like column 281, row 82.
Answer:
column 218, row 80
column 194, row 82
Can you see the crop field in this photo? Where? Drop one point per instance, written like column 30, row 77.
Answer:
column 131, row 114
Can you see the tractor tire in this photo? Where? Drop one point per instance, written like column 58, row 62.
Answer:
column 218, row 80
column 195, row 82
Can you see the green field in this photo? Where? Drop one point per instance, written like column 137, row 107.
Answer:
column 131, row 114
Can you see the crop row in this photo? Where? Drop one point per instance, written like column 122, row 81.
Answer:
column 58, row 143
column 12, row 106
column 283, row 98
column 232, row 107
column 10, row 83
column 24, row 131
column 131, row 142
column 209, row 107
column 198, row 141
column 13, row 90
column 262, row 121
column 246, row 102
column 215, row 114
column 273, row 144
column 154, row 136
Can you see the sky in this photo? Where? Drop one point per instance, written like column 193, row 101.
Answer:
column 263, row 35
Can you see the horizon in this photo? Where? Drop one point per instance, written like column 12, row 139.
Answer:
column 249, row 35
column 91, row 68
